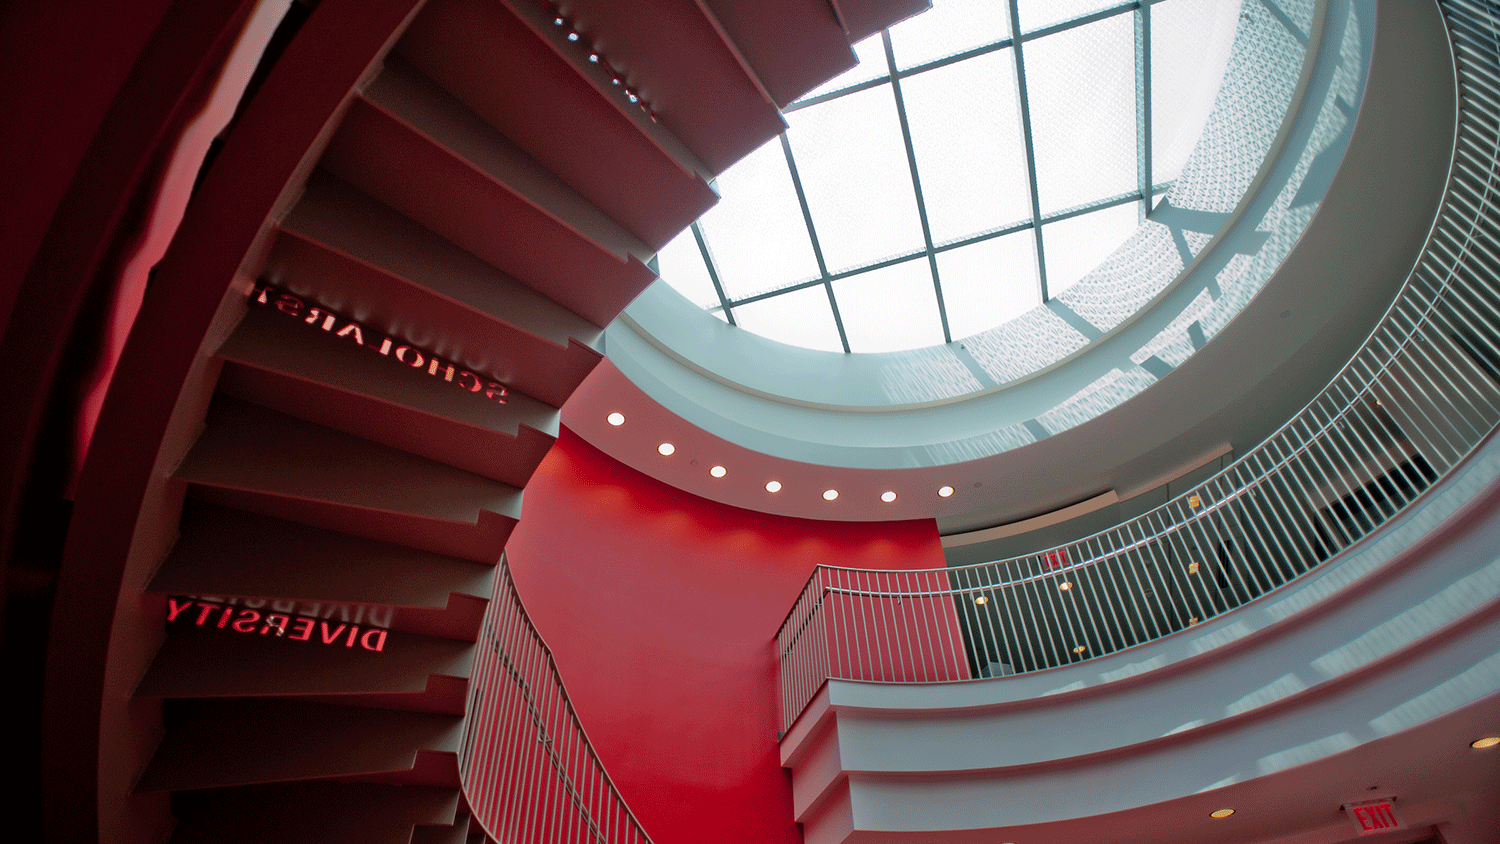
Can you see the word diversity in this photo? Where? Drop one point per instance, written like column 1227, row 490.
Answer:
column 214, row 612
column 340, row 326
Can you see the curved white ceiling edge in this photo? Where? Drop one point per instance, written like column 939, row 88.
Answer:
column 1246, row 380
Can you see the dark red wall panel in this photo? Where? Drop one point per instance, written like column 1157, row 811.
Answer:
column 660, row 609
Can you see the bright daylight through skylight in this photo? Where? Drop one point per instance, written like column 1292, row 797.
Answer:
column 925, row 196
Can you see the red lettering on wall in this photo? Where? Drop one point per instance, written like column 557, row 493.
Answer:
column 352, row 330
column 302, row 629
column 330, row 638
column 416, row 357
column 246, row 622
column 364, row 641
column 174, row 609
column 203, row 613
column 410, row 355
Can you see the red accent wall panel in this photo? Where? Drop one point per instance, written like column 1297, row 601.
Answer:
column 660, row 609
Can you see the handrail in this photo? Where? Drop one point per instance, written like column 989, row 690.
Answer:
column 528, row 769
column 1422, row 392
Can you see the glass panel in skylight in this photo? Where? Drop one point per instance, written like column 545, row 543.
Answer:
column 852, row 161
column 1081, row 85
column 966, row 132
column 890, row 309
column 1036, row 14
column 950, row 27
column 681, row 266
column 1190, row 43
column 870, row 55
column 990, row 282
column 799, row 318
column 755, row 234
column 1076, row 245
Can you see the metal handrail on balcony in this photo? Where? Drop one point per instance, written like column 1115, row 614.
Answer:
column 527, row 767
column 1418, row 396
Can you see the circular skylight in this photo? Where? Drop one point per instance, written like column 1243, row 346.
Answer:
column 974, row 165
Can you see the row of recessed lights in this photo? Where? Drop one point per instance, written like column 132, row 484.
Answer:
column 667, row 449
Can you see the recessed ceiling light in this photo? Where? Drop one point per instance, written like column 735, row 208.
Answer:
column 888, row 497
column 615, row 419
column 1065, row 585
column 982, row 600
column 666, row 449
column 1193, row 568
column 945, row 491
column 1487, row 741
column 830, row 494
column 1078, row 649
column 773, row 486
column 1221, row 813
column 718, row 471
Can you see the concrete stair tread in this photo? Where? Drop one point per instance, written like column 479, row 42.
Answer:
column 227, row 552
column 242, row 741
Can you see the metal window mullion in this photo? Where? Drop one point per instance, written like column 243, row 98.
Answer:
column 1143, row 105
column 812, row 235
column 713, row 271
column 916, row 181
column 1029, row 146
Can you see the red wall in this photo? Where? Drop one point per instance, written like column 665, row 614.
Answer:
column 660, row 609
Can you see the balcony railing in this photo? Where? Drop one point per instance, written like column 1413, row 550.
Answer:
column 527, row 767
column 1419, row 395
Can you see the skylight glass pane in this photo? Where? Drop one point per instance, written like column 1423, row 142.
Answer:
column 870, row 55
column 950, row 27
column 852, row 161
column 890, row 309
column 1076, row 245
column 966, row 132
column 799, row 318
column 990, row 282
column 756, row 234
column 1190, row 44
column 1081, row 85
column 1036, row 14
column 681, row 266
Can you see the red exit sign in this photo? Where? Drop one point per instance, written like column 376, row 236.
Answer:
column 1374, row 816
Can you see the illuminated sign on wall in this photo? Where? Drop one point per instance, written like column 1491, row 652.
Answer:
column 1374, row 816
column 342, row 327
column 259, row 621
